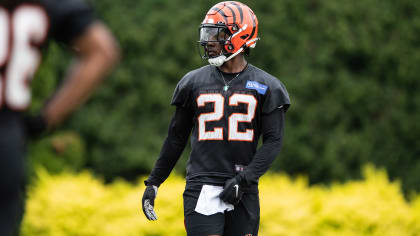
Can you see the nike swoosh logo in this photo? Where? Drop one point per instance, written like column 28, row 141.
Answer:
column 237, row 189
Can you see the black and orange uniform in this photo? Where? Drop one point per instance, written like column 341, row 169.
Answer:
column 225, row 119
column 224, row 114
column 25, row 29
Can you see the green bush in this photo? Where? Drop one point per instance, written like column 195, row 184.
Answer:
column 351, row 69
column 69, row 204
column 64, row 151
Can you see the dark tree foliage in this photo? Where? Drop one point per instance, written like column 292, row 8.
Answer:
column 351, row 68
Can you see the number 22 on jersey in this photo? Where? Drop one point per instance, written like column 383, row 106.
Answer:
column 233, row 133
column 19, row 58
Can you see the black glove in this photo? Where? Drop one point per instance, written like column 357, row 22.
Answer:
column 148, row 202
column 232, row 191
column 35, row 125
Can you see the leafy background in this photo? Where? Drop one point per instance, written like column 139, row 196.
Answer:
column 372, row 206
column 351, row 69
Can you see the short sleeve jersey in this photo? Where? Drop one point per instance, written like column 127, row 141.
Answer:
column 227, row 122
column 25, row 28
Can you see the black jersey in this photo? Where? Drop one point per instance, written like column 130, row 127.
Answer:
column 25, row 27
column 226, row 117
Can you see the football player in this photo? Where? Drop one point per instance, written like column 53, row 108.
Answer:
column 26, row 26
column 226, row 107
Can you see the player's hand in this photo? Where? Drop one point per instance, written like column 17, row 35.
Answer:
column 232, row 191
column 148, row 202
column 35, row 125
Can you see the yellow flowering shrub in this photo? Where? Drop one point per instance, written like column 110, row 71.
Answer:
column 69, row 204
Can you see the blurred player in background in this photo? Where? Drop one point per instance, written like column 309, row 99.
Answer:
column 225, row 106
column 26, row 26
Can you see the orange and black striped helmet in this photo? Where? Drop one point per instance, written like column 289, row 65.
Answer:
column 237, row 21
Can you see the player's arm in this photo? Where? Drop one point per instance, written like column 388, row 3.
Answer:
column 96, row 54
column 272, row 132
column 173, row 146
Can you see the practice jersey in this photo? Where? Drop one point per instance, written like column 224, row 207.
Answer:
column 227, row 117
column 25, row 27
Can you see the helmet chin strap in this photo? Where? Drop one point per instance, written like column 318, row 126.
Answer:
column 218, row 61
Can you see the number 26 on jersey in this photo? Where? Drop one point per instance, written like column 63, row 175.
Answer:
column 20, row 33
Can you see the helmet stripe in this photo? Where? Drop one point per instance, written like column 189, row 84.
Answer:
column 233, row 13
column 222, row 13
column 240, row 11
column 254, row 25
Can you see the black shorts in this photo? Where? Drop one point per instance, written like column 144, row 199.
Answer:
column 12, row 172
column 244, row 220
